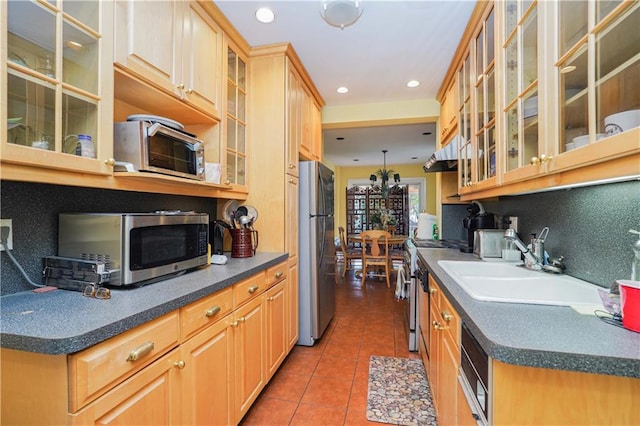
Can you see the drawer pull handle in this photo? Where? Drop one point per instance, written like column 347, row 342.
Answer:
column 446, row 316
column 253, row 289
column 242, row 319
column 279, row 274
column 140, row 351
column 179, row 364
column 212, row 311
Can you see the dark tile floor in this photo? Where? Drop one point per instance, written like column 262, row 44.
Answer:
column 326, row 384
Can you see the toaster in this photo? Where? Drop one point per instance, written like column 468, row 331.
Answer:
column 488, row 243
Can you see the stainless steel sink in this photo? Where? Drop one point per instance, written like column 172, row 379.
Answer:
column 507, row 282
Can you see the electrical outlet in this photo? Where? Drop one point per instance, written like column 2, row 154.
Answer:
column 8, row 234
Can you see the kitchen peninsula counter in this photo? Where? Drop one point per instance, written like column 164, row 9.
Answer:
column 64, row 322
column 553, row 337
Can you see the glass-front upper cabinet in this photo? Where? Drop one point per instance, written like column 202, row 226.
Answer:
column 520, row 107
column 464, row 126
column 598, row 69
column 236, row 120
column 54, row 86
column 484, row 128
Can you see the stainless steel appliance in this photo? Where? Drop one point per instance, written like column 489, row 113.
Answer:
column 316, row 251
column 138, row 247
column 151, row 146
column 474, row 376
column 477, row 219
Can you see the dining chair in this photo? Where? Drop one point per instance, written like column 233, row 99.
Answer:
column 349, row 252
column 375, row 253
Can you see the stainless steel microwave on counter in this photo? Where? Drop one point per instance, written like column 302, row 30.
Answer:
column 153, row 147
column 137, row 247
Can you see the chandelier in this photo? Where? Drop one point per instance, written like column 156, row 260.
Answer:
column 384, row 176
column 341, row 13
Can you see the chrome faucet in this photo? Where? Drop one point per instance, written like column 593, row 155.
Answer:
column 531, row 261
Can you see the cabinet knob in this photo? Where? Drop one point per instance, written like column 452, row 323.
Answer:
column 542, row 159
column 179, row 364
column 234, row 324
column 110, row 162
column 242, row 319
column 212, row 311
column 270, row 299
column 227, row 182
column 253, row 289
column 279, row 274
column 291, row 166
column 180, row 86
column 446, row 316
column 140, row 351
column 189, row 91
column 436, row 325
column 433, row 290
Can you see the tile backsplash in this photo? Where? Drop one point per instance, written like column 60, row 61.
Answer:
column 34, row 209
column 589, row 226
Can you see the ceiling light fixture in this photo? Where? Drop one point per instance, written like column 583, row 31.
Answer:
column 413, row 83
column 384, row 176
column 265, row 15
column 342, row 89
column 341, row 13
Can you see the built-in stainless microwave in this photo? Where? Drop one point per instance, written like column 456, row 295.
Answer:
column 153, row 147
column 137, row 247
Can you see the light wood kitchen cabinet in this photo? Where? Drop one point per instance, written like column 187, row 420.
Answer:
column 52, row 93
column 444, row 356
column 294, row 108
column 184, row 59
column 276, row 345
column 291, row 305
column 448, row 113
column 235, row 130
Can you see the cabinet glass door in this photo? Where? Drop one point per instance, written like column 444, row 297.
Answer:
column 464, row 126
column 521, row 81
column 236, row 119
column 601, row 36
column 50, row 73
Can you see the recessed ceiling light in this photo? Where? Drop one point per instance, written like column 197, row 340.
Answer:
column 342, row 89
column 413, row 83
column 339, row 138
column 426, row 133
column 356, row 159
column 265, row 15
column 414, row 158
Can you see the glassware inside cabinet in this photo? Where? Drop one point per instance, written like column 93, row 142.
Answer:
column 31, row 112
column 31, row 42
column 617, row 70
column 530, row 128
column 79, row 117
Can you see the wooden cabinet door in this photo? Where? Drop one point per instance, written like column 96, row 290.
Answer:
column 201, row 59
column 151, row 397
column 435, row 338
column 448, row 381
column 207, row 376
column 294, row 120
column 249, row 346
column 291, row 220
column 275, row 303
column 145, row 33
column 291, row 305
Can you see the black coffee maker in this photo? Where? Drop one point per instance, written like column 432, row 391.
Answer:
column 216, row 235
column 477, row 219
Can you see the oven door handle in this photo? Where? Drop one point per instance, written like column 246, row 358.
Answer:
column 468, row 395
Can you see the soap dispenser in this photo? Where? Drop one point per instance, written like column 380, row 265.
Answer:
column 635, row 265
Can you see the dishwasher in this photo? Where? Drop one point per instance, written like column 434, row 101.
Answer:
column 474, row 376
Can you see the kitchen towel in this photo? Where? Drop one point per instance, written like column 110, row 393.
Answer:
column 400, row 293
column 399, row 392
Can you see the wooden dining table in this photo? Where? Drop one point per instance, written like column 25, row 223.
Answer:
column 392, row 240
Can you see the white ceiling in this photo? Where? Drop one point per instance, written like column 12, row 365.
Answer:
column 392, row 42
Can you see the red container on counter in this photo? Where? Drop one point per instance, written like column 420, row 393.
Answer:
column 630, row 304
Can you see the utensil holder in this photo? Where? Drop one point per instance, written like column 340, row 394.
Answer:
column 244, row 242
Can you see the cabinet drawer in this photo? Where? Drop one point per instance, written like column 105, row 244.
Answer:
column 450, row 319
column 434, row 292
column 276, row 273
column 95, row 370
column 205, row 312
column 248, row 289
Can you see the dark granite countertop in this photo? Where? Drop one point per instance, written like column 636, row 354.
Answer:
column 63, row 322
column 555, row 337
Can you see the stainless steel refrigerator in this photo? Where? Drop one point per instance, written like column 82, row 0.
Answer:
column 316, row 251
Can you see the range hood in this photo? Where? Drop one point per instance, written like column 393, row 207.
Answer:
column 444, row 160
